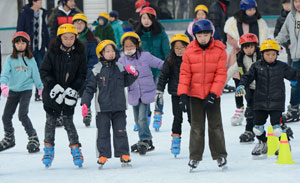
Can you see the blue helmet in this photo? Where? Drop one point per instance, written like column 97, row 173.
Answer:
column 247, row 4
column 203, row 25
column 114, row 13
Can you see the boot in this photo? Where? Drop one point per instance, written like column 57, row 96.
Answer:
column 260, row 150
column 102, row 160
column 77, row 155
column 7, row 142
column 49, row 155
column 88, row 118
column 292, row 114
column 221, row 162
column 33, row 144
column 193, row 163
column 157, row 120
column 175, row 148
column 145, row 146
column 125, row 159
column 238, row 117
column 247, row 136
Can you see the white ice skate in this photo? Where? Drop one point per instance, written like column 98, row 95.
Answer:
column 238, row 117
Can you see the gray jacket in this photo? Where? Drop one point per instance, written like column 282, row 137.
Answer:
column 287, row 32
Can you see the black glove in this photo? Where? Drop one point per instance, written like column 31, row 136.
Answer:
column 184, row 100
column 209, row 101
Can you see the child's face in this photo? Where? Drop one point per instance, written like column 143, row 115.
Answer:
column 250, row 12
column 200, row 15
column 79, row 25
column 109, row 52
column 146, row 21
column 68, row 39
column 129, row 45
column 203, row 38
column 297, row 4
column 101, row 22
column 287, row 6
column 112, row 19
column 249, row 50
column 179, row 48
column 71, row 3
column 270, row 56
column 20, row 45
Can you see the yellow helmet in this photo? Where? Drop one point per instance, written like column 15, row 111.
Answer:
column 131, row 34
column 80, row 16
column 102, row 45
column 104, row 15
column 269, row 45
column 201, row 7
column 180, row 37
column 66, row 28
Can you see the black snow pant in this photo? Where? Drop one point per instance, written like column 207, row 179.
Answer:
column 120, row 138
column 177, row 113
column 215, row 130
column 23, row 99
column 239, row 102
column 249, row 114
column 68, row 125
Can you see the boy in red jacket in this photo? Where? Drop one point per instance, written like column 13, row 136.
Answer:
column 202, row 77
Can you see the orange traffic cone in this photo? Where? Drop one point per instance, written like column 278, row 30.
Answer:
column 284, row 156
column 272, row 142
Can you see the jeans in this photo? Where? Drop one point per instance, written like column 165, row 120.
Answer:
column 295, row 90
column 140, row 117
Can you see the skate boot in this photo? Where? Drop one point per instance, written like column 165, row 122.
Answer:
column 175, row 148
column 101, row 161
column 59, row 121
column 88, row 118
column 7, row 142
column 247, row 137
column 145, row 146
column 77, row 155
column 289, row 132
column 135, row 128
column 125, row 160
column 228, row 89
column 222, row 163
column 292, row 115
column 157, row 120
column 238, row 117
column 49, row 155
column 260, row 150
column 33, row 144
column 193, row 164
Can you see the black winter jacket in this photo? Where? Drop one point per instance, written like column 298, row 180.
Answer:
column 269, row 92
column 280, row 21
column 170, row 75
column 108, row 80
column 65, row 69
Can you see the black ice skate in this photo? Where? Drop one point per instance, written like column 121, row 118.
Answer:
column 7, row 142
column 260, row 150
column 193, row 164
column 222, row 162
column 228, row 89
column 247, row 137
column 88, row 118
column 33, row 144
column 292, row 115
column 142, row 147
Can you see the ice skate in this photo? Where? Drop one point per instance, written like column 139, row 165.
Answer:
column 33, row 144
column 101, row 161
column 193, row 164
column 77, row 155
column 260, row 150
column 125, row 160
column 145, row 146
column 88, row 118
column 238, row 117
column 7, row 142
column 247, row 137
column 49, row 155
column 292, row 114
column 222, row 163
column 157, row 120
column 228, row 89
column 135, row 128
column 175, row 147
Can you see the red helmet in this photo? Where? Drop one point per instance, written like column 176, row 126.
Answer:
column 21, row 34
column 248, row 38
column 148, row 10
column 139, row 4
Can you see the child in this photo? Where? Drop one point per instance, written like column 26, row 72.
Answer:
column 117, row 26
column 269, row 94
column 142, row 92
column 290, row 31
column 19, row 74
column 104, row 29
column 202, row 77
column 170, row 75
column 248, row 55
column 156, row 41
column 85, row 35
column 247, row 20
column 108, row 81
column 63, row 73
column 201, row 12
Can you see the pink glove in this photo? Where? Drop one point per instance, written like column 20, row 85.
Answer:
column 5, row 90
column 40, row 92
column 131, row 69
column 84, row 110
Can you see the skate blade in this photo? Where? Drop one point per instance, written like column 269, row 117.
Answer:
column 236, row 124
column 245, row 143
column 259, row 157
column 126, row 165
column 100, row 167
column 224, row 167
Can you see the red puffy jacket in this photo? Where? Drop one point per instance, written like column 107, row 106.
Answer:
column 203, row 71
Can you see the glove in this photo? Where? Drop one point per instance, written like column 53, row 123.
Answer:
column 84, row 110
column 57, row 92
column 240, row 91
column 4, row 90
column 40, row 92
column 159, row 99
column 131, row 69
column 184, row 100
column 209, row 101
column 70, row 96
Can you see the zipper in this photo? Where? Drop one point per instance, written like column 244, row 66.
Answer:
column 204, row 65
column 268, row 85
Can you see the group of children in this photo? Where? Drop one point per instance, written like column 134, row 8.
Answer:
column 195, row 72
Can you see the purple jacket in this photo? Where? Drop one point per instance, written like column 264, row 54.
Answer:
column 144, row 87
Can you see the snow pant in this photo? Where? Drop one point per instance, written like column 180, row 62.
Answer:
column 295, row 90
column 120, row 138
column 249, row 114
column 177, row 113
column 23, row 99
column 215, row 130
column 239, row 102
column 260, row 118
column 140, row 118
column 68, row 125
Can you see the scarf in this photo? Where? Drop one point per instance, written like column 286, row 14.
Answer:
column 253, row 25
